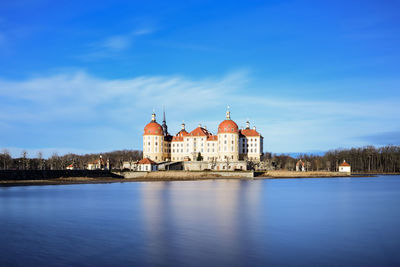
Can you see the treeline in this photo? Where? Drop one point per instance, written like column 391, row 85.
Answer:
column 56, row 162
column 365, row 159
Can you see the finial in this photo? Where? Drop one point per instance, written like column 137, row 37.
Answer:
column 247, row 124
column 228, row 113
column 153, row 116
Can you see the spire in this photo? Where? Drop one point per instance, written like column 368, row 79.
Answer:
column 164, row 115
column 164, row 124
column 228, row 114
column 153, row 116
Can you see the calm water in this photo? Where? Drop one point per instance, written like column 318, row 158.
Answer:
column 352, row 222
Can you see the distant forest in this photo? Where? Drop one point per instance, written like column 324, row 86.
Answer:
column 368, row 159
column 56, row 162
column 365, row 159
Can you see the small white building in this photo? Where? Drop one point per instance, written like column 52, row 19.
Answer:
column 300, row 166
column 147, row 165
column 98, row 164
column 345, row 167
column 72, row 167
column 129, row 165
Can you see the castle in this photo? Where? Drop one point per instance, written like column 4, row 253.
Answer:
column 230, row 145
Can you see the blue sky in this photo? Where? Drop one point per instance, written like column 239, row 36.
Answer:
column 84, row 76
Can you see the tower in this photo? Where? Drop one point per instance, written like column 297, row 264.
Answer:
column 228, row 139
column 164, row 124
column 153, row 140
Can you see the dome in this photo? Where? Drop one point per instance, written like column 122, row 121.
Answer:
column 153, row 128
column 228, row 126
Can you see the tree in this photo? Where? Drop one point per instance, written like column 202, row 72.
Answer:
column 24, row 155
column 40, row 158
column 6, row 158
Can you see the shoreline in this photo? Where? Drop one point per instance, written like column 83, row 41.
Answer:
column 107, row 180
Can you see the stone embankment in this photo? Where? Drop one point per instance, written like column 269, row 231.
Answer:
column 53, row 174
column 293, row 174
column 184, row 175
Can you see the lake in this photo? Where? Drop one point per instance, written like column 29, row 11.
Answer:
column 296, row 222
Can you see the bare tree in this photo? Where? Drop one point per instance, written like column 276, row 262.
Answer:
column 24, row 156
column 40, row 158
column 6, row 158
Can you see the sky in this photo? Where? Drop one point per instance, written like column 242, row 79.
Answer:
column 85, row 76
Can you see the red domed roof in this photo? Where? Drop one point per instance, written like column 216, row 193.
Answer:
column 228, row 126
column 153, row 128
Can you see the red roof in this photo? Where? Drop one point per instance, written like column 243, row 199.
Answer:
column 72, row 165
column 249, row 132
column 153, row 128
column 344, row 164
column 199, row 131
column 96, row 161
column 212, row 138
column 182, row 133
column 228, row 126
column 179, row 136
column 146, row 161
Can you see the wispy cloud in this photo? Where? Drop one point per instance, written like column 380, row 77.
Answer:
column 86, row 113
column 384, row 138
column 111, row 45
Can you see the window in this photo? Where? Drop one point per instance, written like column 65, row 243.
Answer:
column 232, row 142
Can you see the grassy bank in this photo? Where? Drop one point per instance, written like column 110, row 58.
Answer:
column 293, row 174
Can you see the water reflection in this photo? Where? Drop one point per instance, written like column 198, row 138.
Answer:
column 313, row 222
column 184, row 218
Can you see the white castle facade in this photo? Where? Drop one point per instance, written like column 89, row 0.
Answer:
column 230, row 144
